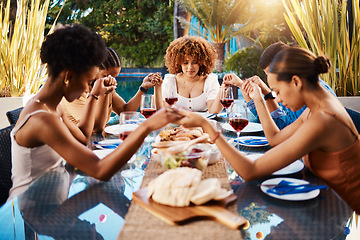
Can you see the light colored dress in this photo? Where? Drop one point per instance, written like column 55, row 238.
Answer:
column 199, row 103
column 29, row 163
column 340, row 170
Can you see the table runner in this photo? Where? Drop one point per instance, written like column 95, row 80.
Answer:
column 140, row 224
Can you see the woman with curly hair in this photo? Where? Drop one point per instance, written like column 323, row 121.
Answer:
column 190, row 61
column 324, row 135
column 110, row 102
column 43, row 137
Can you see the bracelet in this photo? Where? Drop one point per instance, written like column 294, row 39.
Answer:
column 212, row 141
column 144, row 90
column 94, row 96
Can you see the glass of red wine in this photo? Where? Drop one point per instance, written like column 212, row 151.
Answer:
column 238, row 118
column 227, row 98
column 170, row 95
column 129, row 121
column 147, row 106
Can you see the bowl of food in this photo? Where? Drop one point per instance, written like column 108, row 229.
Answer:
column 214, row 154
column 196, row 156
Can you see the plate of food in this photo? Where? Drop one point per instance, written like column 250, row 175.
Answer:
column 270, row 184
column 292, row 168
column 179, row 134
column 250, row 128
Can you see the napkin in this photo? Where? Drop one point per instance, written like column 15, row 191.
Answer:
column 286, row 187
column 253, row 141
column 109, row 146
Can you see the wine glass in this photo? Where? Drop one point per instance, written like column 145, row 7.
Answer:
column 227, row 98
column 147, row 106
column 238, row 118
column 170, row 96
column 129, row 121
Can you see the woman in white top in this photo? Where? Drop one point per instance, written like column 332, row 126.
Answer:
column 42, row 137
column 190, row 61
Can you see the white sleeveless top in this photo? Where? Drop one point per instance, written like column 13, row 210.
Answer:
column 199, row 103
column 29, row 163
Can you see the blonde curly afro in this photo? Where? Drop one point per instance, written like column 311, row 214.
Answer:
column 196, row 47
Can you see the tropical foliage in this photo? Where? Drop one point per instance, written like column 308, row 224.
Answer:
column 323, row 27
column 21, row 71
column 139, row 31
column 222, row 20
column 245, row 63
column 225, row 19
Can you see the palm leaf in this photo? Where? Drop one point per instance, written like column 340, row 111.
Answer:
column 324, row 30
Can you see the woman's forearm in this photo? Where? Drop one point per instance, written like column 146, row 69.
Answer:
column 268, row 124
column 158, row 97
column 215, row 106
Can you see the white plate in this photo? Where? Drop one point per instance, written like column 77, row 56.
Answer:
column 116, row 129
column 250, row 128
column 289, row 197
column 103, row 143
column 294, row 167
column 244, row 138
column 101, row 153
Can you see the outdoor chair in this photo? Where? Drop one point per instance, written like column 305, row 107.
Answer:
column 355, row 116
column 13, row 115
column 5, row 163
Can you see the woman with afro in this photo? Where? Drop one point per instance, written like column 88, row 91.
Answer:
column 42, row 137
column 190, row 61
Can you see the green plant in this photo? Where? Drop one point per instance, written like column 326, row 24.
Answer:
column 21, row 71
column 139, row 31
column 245, row 63
column 322, row 27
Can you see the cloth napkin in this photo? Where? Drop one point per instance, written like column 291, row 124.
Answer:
column 253, row 141
column 108, row 146
column 286, row 187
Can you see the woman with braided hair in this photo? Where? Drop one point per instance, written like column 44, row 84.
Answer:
column 111, row 102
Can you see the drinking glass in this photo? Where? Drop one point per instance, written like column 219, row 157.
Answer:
column 170, row 96
column 238, row 118
column 227, row 98
column 147, row 106
column 129, row 121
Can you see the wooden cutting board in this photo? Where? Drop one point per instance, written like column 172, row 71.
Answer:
column 214, row 210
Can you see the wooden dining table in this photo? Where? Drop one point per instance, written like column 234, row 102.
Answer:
column 67, row 204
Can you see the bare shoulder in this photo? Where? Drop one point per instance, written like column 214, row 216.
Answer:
column 39, row 127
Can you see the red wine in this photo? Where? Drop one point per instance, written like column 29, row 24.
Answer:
column 226, row 102
column 238, row 123
column 147, row 112
column 124, row 134
column 172, row 100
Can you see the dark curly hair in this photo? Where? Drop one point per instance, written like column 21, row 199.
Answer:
column 197, row 47
column 300, row 62
column 73, row 48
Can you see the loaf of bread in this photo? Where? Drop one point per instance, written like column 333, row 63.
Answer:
column 178, row 187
